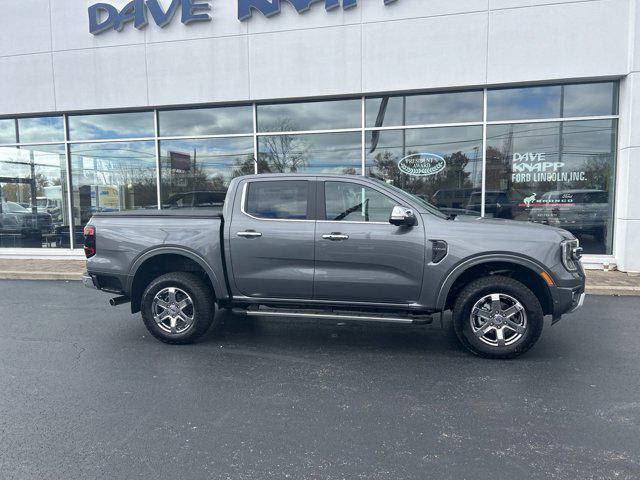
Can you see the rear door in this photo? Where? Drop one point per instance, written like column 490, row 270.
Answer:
column 360, row 256
column 272, row 239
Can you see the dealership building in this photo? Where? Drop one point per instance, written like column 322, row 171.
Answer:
column 526, row 110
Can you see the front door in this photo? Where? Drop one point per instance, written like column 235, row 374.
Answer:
column 360, row 256
column 271, row 239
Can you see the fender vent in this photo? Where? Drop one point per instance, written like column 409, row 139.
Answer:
column 439, row 249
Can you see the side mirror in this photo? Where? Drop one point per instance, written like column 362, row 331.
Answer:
column 401, row 216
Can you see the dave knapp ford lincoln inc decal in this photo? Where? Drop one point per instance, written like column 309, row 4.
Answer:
column 534, row 167
column 104, row 16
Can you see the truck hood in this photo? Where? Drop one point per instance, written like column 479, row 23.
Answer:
column 508, row 228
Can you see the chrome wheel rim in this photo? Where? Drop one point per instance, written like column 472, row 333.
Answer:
column 498, row 319
column 173, row 310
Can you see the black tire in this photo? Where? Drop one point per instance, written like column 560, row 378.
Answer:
column 475, row 291
column 204, row 307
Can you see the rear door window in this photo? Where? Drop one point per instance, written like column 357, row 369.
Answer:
column 278, row 200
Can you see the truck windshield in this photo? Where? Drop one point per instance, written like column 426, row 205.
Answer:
column 415, row 199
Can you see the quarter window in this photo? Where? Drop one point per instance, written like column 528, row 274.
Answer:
column 351, row 202
column 282, row 200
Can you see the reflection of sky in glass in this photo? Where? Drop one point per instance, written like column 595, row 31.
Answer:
column 523, row 103
column 320, row 153
column 215, row 157
column 309, row 116
column 42, row 129
column 111, row 126
column 590, row 99
column 8, row 131
column 456, row 107
column 206, row 121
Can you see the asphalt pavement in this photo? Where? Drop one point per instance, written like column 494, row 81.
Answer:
column 86, row 393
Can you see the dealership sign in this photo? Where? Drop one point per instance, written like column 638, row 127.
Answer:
column 422, row 164
column 104, row 16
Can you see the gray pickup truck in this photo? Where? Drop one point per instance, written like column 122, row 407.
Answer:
column 335, row 247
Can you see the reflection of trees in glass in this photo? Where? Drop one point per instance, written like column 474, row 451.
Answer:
column 284, row 153
column 454, row 176
column 598, row 173
column 247, row 166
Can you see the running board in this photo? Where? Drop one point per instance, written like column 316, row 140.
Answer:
column 417, row 319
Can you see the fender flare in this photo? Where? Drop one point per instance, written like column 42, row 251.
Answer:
column 468, row 263
column 184, row 252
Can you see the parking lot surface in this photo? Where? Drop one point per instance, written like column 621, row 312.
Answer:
column 86, row 393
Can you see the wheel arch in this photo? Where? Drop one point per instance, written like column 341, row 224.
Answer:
column 159, row 261
column 521, row 268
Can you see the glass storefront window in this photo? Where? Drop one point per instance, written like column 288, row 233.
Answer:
column 8, row 130
column 524, row 103
column 291, row 117
column 33, row 197
column 110, row 177
column 590, row 99
column 196, row 173
column 316, row 153
column 432, row 108
column 111, row 126
column 41, row 129
column 440, row 165
column 206, row 121
column 557, row 173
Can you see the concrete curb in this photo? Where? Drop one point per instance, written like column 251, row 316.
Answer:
column 9, row 275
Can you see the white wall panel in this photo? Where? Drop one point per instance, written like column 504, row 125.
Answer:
column 195, row 71
column 112, row 77
column 26, row 83
column 322, row 61
column 585, row 39
column 376, row 11
column 425, row 53
column 24, row 27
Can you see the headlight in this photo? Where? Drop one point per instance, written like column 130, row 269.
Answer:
column 571, row 254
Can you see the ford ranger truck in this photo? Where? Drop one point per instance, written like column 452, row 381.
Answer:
column 335, row 247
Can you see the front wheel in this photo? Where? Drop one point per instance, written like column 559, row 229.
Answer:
column 178, row 308
column 497, row 317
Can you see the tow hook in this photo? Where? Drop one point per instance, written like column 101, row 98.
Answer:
column 114, row 302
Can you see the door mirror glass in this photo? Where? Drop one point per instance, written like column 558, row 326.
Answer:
column 401, row 216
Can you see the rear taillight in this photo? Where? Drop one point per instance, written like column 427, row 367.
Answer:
column 89, row 241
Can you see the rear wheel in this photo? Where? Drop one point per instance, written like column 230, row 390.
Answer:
column 178, row 308
column 497, row 317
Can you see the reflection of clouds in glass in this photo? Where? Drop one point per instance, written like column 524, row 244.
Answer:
column 111, row 126
column 7, row 131
column 310, row 115
column 590, row 99
column 523, row 103
column 321, row 153
column 206, row 121
column 216, row 157
column 42, row 129
column 455, row 107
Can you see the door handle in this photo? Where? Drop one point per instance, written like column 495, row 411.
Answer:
column 249, row 234
column 335, row 237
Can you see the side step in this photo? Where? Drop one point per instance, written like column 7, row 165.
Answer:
column 334, row 315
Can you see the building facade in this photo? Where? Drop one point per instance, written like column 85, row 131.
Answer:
column 526, row 110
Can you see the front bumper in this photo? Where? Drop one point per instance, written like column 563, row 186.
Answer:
column 567, row 300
